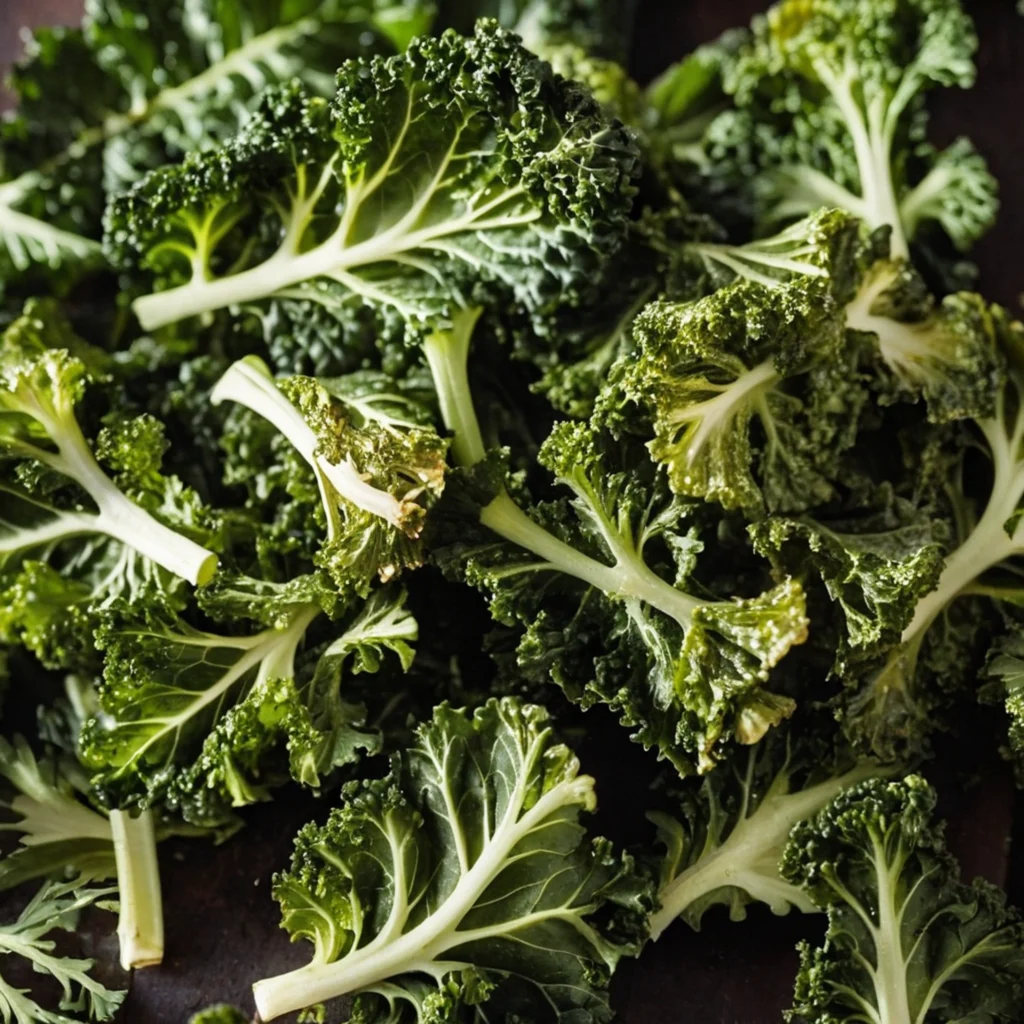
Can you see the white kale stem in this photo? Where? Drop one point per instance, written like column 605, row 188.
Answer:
column 629, row 577
column 119, row 517
column 872, row 145
column 330, row 259
column 890, row 973
column 248, row 382
column 140, row 927
column 447, row 355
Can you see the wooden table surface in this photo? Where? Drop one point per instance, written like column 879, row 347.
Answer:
column 222, row 926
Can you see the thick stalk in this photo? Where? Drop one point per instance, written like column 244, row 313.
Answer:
column 872, row 150
column 883, row 206
column 136, row 528
column 140, row 927
column 632, row 579
column 331, row 259
column 891, row 968
column 248, row 382
column 447, row 355
column 122, row 519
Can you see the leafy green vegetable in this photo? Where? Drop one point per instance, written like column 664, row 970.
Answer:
column 913, row 346
column 373, row 479
column 56, row 826
column 463, row 168
column 696, row 665
column 894, row 702
column 722, row 462
column 829, row 97
column 196, row 721
column 906, row 940
column 726, row 842
column 55, row 907
column 156, row 79
column 462, row 878
column 41, row 383
column 750, row 360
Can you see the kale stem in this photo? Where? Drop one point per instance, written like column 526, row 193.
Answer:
column 140, row 927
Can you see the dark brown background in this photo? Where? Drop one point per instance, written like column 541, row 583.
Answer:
column 222, row 927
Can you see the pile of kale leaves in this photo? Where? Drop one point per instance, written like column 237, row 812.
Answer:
column 323, row 318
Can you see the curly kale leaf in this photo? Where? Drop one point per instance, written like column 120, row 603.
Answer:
column 85, row 527
column 603, row 584
column 893, row 701
column 155, row 79
column 463, row 878
column 753, row 395
column 375, row 480
column 906, row 939
column 829, row 97
column 724, row 842
column 461, row 170
column 201, row 722
column 57, row 828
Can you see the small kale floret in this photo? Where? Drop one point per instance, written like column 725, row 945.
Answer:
column 725, row 842
column 829, row 97
column 753, row 394
column 875, row 563
column 463, row 878
column 911, row 346
column 376, row 479
column 463, row 168
column 42, row 443
column 906, row 940
column 943, row 352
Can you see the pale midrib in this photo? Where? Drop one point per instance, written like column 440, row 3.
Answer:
column 710, row 414
column 63, row 527
column 258, row 653
column 747, row 844
column 285, row 270
column 432, row 937
column 890, row 976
